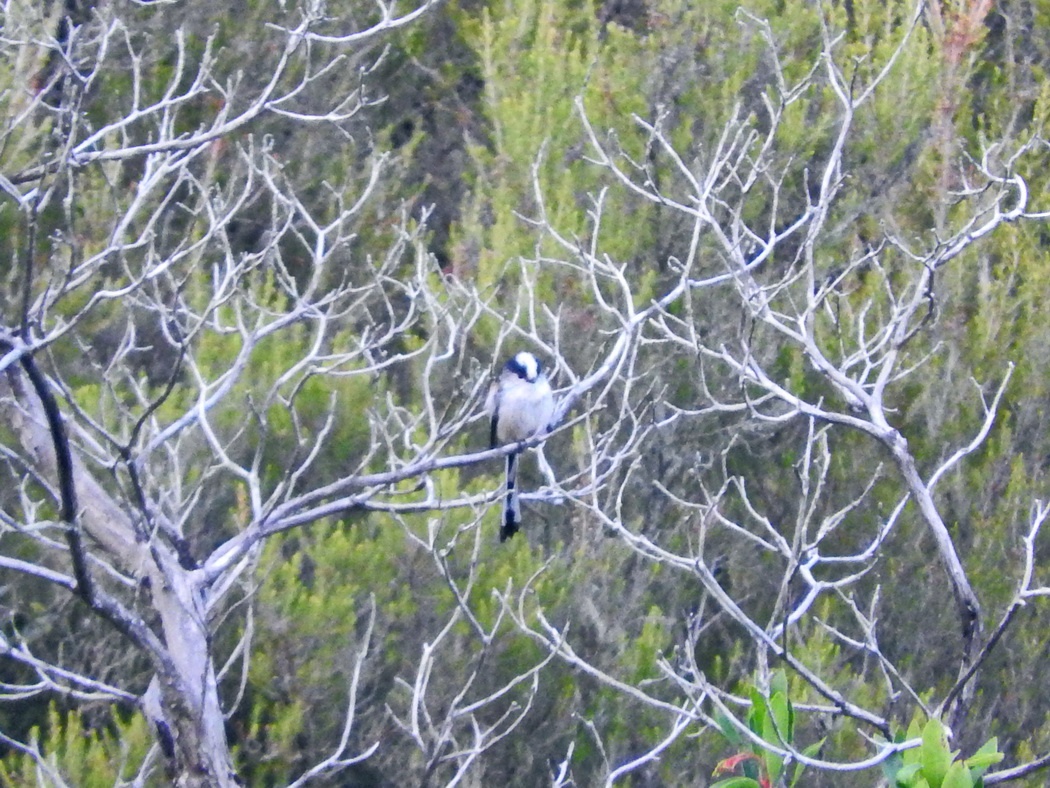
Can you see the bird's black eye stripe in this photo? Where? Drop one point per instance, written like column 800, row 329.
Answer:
column 515, row 366
column 517, row 369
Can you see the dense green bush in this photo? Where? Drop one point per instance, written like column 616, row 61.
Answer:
column 567, row 651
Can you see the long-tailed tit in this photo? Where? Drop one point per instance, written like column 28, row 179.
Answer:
column 521, row 404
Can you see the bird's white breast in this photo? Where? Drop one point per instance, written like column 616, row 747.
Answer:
column 524, row 410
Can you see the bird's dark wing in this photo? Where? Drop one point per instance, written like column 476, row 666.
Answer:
column 493, row 439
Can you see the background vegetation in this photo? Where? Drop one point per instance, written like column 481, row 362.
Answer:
column 256, row 277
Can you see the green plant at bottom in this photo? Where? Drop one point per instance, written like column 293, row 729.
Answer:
column 771, row 719
column 934, row 765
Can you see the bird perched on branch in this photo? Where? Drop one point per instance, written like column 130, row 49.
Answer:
column 520, row 404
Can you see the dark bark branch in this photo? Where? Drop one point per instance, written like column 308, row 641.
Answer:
column 126, row 622
column 66, row 487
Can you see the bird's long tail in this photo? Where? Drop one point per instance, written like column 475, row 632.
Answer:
column 511, row 509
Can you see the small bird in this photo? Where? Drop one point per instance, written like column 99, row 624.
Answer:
column 521, row 405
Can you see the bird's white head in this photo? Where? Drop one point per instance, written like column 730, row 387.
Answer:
column 525, row 365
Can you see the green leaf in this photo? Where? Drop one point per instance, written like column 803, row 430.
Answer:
column 985, row 757
column 756, row 718
column 751, row 769
column 760, row 721
column 774, row 765
column 810, row 752
column 958, row 776
column 935, row 757
column 737, row 782
column 914, row 732
column 892, row 766
column 908, row 776
column 784, row 715
column 728, row 729
column 778, row 683
column 777, row 731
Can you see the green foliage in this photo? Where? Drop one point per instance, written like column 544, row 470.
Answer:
column 23, row 66
column 772, row 719
column 318, row 589
column 934, row 765
column 96, row 756
column 688, row 68
column 536, row 58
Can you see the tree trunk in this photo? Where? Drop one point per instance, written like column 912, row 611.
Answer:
column 182, row 701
